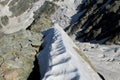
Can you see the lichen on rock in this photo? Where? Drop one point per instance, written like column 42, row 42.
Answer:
column 43, row 17
column 17, row 52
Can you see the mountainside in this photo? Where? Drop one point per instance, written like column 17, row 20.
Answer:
column 106, row 58
column 91, row 24
column 98, row 23
column 17, row 14
column 60, row 58
column 20, row 36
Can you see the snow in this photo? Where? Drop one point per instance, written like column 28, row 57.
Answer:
column 60, row 61
column 66, row 12
column 58, row 55
column 106, row 58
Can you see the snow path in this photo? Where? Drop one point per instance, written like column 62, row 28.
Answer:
column 60, row 61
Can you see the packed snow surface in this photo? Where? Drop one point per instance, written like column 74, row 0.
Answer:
column 60, row 61
column 106, row 58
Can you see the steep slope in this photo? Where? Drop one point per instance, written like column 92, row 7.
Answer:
column 21, row 23
column 99, row 22
column 66, row 11
column 60, row 59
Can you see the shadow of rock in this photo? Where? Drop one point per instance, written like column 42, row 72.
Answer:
column 35, row 74
column 98, row 24
column 102, row 77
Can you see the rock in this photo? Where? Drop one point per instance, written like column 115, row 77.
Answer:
column 11, row 75
column 101, row 55
column 20, row 35
column 13, row 17
column 43, row 17
column 110, row 59
column 1, row 60
column 85, row 49
column 17, row 53
column 4, row 20
column 1, row 78
column 99, row 23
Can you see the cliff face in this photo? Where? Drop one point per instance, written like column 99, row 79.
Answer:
column 99, row 22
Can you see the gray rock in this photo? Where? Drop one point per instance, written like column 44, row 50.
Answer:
column 17, row 53
column 16, row 15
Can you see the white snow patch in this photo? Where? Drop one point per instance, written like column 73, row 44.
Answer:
column 106, row 58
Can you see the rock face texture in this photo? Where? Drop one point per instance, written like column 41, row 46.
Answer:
column 17, row 14
column 21, row 22
column 43, row 17
column 60, row 58
column 17, row 54
column 99, row 22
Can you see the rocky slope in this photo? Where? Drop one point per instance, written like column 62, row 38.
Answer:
column 17, row 14
column 20, row 36
column 21, row 23
column 17, row 54
column 99, row 22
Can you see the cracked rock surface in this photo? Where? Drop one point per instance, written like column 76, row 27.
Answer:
column 17, row 53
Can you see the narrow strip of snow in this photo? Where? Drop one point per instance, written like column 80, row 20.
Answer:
column 59, row 59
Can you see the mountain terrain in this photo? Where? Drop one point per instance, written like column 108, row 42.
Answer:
column 98, row 23
column 61, row 59
column 34, row 44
